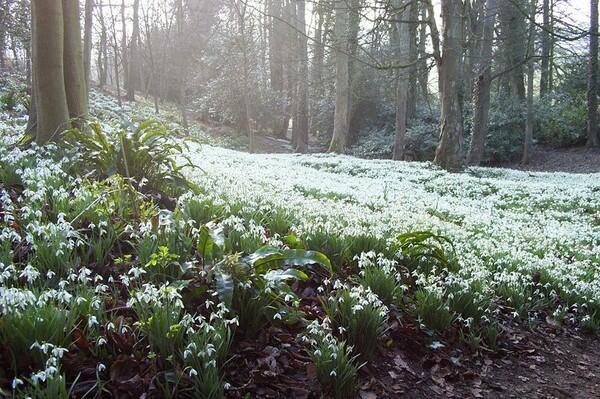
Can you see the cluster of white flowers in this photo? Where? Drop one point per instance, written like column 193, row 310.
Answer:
column 505, row 224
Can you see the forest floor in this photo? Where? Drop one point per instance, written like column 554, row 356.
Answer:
column 571, row 160
column 543, row 159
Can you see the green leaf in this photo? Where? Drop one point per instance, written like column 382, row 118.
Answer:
column 300, row 257
column 205, row 243
column 264, row 259
column 277, row 276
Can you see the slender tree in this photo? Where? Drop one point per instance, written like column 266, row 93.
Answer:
column 592, row 91
column 87, row 39
column 402, row 38
column 342, row 78
column 301, row 117
column 528, row 142
column 132, row 65
column 449, row 153
column 482, row 87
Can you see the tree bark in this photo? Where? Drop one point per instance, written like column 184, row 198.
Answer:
column 592, row 91
column 402, row 42
column 87, row 40
column 545, row 67
column 74, row 78
column 413, row 58
column 301, row 118
column 354, row 97
column 482, row 87
column 132, row 66
column 48, row 67
column 528, row 142
column 449, row 153
column 316, row 75
column 422, row 69
column 342, row 79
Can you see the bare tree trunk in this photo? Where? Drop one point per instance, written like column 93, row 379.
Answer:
column 354, row 97
column 124, row 49
column 182, row 64
column 401, row 34
column 2, row 49
column 528, row 142
column 482, row 87
column 87, row 40
column 48, row 44
column 301, row 118
column 545, row 67
column 102, row 49
column 413, row 57
column 342, row 79
column 449, row 153
column 316, row 76
column 115, row 56
column 592, row 94
column 74, row 79
column 132, row 66
column 422, row 69
column 240, row 10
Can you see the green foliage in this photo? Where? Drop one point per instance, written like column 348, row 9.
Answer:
column 144, row 154
column 383, row 284
column 204, row 357
column 426, row 252
column 49, row 323
column 432, row 311
column 361, row 317
column 163, row 265
column 54, row 387
column 336, row 368
column 561, row 119
column 161, row 323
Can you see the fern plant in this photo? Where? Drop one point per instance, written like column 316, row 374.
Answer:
column 145, row 154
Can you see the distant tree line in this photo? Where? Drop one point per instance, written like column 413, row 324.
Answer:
column 489, row 75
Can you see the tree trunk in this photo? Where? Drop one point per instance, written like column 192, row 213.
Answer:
column 124, row 49
column 545, row 67
column 402, row 43
column 513, row 30
column 132, row 66
column 482, row 87
column 102, row 50
column 87, row 40
column 2, row 49
column 342, row 79
column 48, row 68
column 316, row 76
column 592, row 92
column 301, row 118
column 353, row 96
column 74, row 78
column 422, row 69
column 528, row 142
column 448, row 154
column 413, row 58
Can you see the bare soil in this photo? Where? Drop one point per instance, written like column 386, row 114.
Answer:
column 571, row 160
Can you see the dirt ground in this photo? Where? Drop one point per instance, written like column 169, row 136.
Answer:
column 572, row 160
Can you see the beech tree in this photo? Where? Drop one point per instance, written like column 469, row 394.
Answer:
column 592, row 93
column 401, row 31
column 449, row 152
column 342, row 78
column 482, row 87
column 58, row 72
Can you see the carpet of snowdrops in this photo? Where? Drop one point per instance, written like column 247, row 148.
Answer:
column 506, row 225
column 528, row 240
